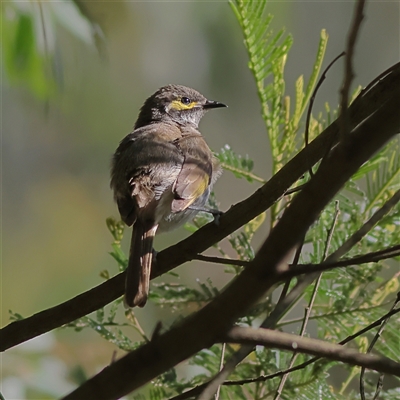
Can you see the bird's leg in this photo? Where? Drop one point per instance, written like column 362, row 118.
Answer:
column 154, row 260
column 214, row 212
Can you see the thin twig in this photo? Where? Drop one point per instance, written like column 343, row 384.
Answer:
column 295, row 262
column 221, row 364
column 374, row 256
column 113, row 357
column 376, row 217
column 43, row 25
column 370, row 347
column 312, row 98
column 308, row 118
column 130, row 315
column 47, row 66
column 379, row 386
column 219, row 260
column 330, row 231
column 333, row 314
column 316, row 269
column 293, row 358
column 245, row 174
column 312, row 299
column 295, row 189
column 298, row 386
column 348, row 71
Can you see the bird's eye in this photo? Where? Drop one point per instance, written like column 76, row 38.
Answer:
column 185, row 100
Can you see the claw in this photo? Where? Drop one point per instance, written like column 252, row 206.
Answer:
column 217, row 215
column 214, row 212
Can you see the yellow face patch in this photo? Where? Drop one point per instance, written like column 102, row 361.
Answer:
column 178, row 105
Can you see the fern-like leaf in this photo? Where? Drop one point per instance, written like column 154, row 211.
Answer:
column 383, row 182
column 240, row 166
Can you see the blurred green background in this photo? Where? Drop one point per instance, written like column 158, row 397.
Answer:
column 73, row 79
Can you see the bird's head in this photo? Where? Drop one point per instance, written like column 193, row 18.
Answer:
column 177, row 104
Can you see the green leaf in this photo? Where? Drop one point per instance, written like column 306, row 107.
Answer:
column 383, row 182
column 240, row 166
column 116, row 228
column 15, row 316
column 24, row 63
column 267, row 53
column 178, row 295
column 119, row 256
column 316, row 69
column 113, row 336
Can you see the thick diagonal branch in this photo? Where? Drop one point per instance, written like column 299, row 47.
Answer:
column 190, row 336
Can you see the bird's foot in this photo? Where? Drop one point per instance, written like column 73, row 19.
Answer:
column 214, row 212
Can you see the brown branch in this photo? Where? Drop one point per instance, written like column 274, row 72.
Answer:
column 220, row 367
column 348, row 70
column 187, row 338
column 390, row 252
column 296, row 259
column 312, row 98
column 374, row 256
column 378, row 92
column 314, row 359
column 325, row 315
column 308, row 117
column 197, row 389
column 316, row 268
column 315, row 347
column 219, row 260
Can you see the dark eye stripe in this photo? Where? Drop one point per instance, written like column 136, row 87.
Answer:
column 185, row 100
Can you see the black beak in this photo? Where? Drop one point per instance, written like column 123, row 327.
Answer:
column 213, row 104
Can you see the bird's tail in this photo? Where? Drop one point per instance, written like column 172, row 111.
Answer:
column 139, row 266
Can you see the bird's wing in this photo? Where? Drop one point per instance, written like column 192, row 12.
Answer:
column 145, row 164
column 195, row 175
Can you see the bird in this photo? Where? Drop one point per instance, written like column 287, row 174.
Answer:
column 162, row 174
